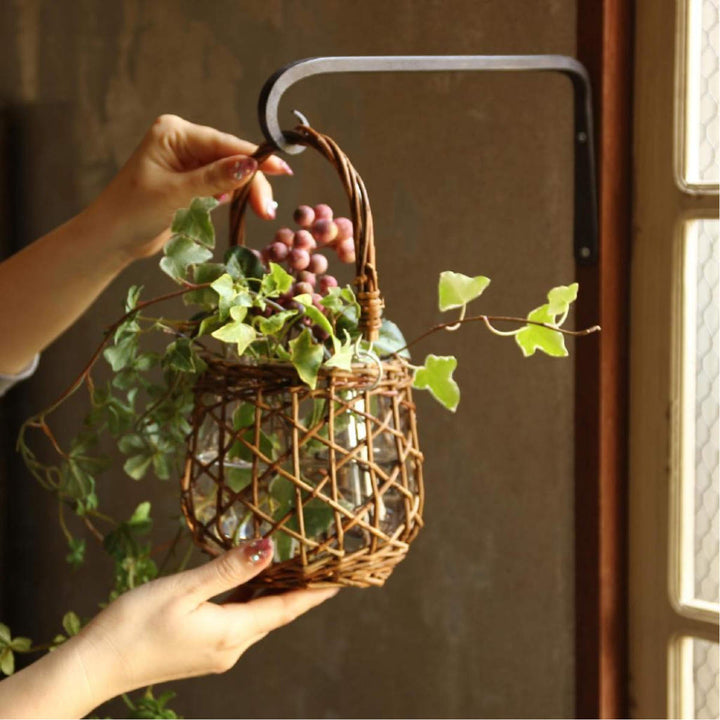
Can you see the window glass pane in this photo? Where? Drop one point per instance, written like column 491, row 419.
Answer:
column 701, row 416
column 705, row 679
column 701, row 93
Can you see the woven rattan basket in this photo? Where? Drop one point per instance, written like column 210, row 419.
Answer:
column 332, row 474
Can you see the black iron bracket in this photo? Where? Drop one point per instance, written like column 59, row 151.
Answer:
column 585, row 225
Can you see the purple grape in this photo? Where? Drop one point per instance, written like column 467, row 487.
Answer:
column 323, row 211
column 324, row 231
column 318, row 264
column 303, row 240
column 345, row 228
column 346, row 250
column 304, row 216
column 285, row 236
column 307, row 276
column 298, row 259
column 326, row 282
column 277, row 251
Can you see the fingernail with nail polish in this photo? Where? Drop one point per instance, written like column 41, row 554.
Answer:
column 242, row 168
column 270, row 208
column 286, row 168
column 258, row 550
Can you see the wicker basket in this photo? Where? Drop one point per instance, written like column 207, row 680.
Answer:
column 333, row 474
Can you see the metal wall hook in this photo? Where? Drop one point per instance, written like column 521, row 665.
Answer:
column 585, row 205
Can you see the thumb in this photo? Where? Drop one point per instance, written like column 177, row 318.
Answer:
column 231, row 569
column 221, row 176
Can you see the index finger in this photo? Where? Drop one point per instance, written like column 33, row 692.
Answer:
column 207, row 145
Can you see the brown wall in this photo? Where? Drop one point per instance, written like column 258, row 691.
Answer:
column 466, row 173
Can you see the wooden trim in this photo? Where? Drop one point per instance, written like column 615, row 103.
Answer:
column 605, row 47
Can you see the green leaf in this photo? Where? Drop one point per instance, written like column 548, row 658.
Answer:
column 5, row 636
column 76, row 556
column 180, row 253
column 121, row 355
column 140, row 519
column 244, row 262
column 307, row 356
column 244, row 416
column 275, row 323
column 343, row 354
column 7, row 661
column 195, row 222
column 133, row 295
column 532, row 337
column 456, row 289
column 560, row 298
column 436, row 376
column 137, row 465
column 276, row 282
column 390, row 340
column 204, row 273
column 237, row 332
column 21, row 644
column 162, row 465
column 237, row 479
column 71, row 623
column 179, row 356
column 132, row 444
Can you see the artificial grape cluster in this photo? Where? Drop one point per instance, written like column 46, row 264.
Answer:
column 301, row 250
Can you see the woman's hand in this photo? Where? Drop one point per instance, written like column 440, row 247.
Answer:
column 175, row 162
column 164, row 630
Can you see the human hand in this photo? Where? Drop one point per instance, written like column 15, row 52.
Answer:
column 168, row 629
column 176, row 161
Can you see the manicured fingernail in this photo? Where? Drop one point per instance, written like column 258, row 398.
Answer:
column 224, row 197
column 242, row 168
column 285, row 167
column 270, row 208
column 259, row 550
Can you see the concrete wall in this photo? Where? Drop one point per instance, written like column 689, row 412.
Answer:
column 465, row 172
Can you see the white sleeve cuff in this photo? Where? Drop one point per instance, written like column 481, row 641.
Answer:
column 7, row 381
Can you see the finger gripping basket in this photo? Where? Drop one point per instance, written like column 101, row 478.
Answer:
column 332, row 474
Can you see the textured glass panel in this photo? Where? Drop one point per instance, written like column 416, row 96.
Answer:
column 705, row 679
column 701, row 82
column 706, row 371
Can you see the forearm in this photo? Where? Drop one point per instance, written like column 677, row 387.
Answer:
column 66, row 683
column 48, row 285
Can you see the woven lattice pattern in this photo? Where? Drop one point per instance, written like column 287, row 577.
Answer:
column 333, row 474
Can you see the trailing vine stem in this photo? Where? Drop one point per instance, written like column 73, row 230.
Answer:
column 489, row 319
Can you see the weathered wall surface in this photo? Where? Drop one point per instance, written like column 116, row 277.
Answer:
column 465, row 172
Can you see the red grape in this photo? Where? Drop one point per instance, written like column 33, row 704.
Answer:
column 298, row 259
column 277, row 251
column 285, row 236
column 323, row 211
column 307, row 276
column 318, row 264
column 327, row 282
column 303, row 240
column 345, row 228
column 320, row 334
column 304, row 216
column 301, row 288
column 346, row 250
column 324, row 231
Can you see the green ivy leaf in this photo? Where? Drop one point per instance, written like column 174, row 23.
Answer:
column 195, row 222
column 243, row 262
column 179, row 356
column 390, row 340
column 307, row 356
column 560, row 298
column 237, row 479
column 71, row 623
column 275, row 323
column 204, row 273
column 456, row 289
column 180, row 253
column 76, row 556
column 21, row 644
column 236, row 332
column 276, row 282
column 5, row 636
column 343, row 354
column 140, row 520
column 7, row 661
column 436, row 376
column 121, row 355
column 137, row 465
column 532, row 337
column 244, row 416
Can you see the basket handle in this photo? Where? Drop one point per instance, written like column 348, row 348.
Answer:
column 366, row 279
